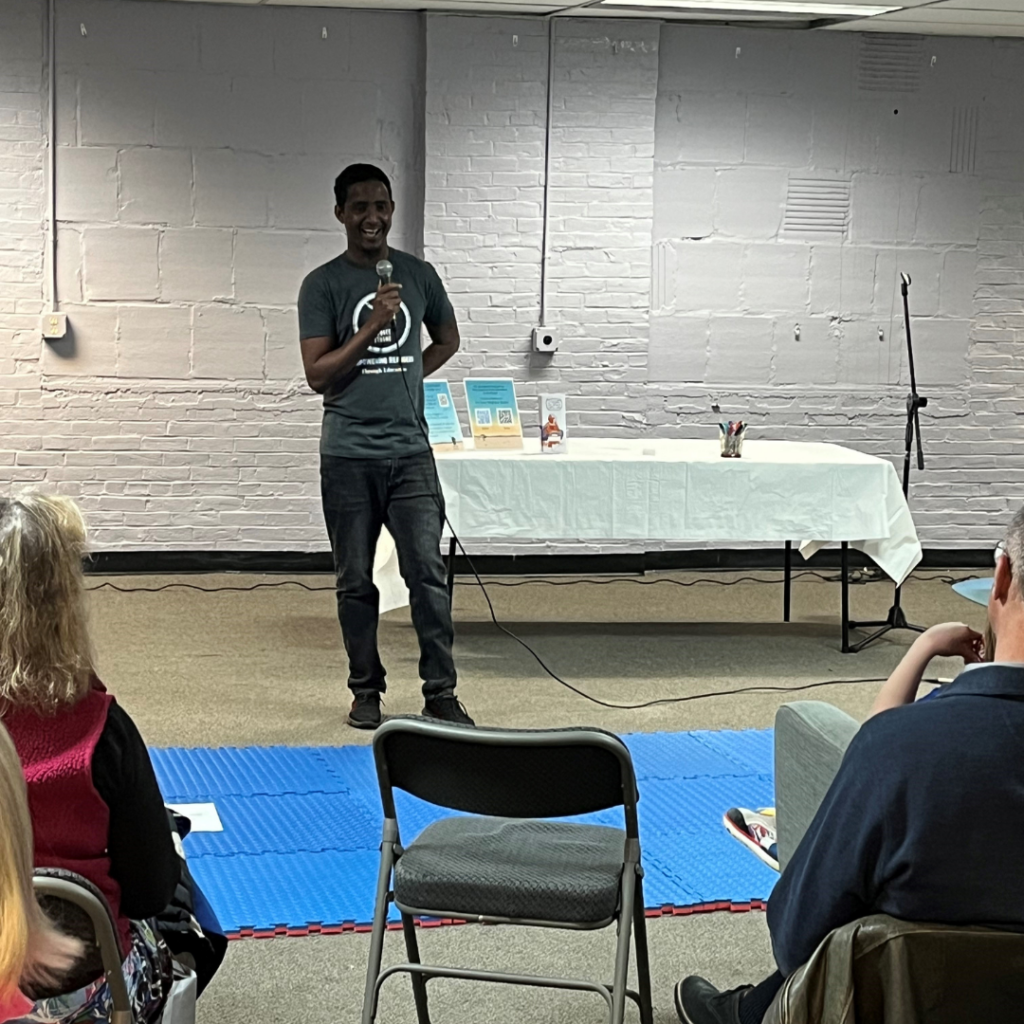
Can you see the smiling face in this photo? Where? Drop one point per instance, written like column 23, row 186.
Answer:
column 366, row 216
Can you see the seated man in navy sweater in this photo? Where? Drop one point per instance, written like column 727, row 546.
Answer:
column 913, row 776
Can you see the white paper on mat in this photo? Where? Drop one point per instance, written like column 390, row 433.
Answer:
column 386, row 577
column 204, row 817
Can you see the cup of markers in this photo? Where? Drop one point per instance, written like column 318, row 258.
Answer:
column 730, row 436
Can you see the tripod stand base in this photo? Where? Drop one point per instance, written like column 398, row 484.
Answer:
column 894, row 620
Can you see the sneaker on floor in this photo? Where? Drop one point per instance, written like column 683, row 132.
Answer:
column 447, row 709
column 699, row 1002
column 756, row 831
column 365, row 711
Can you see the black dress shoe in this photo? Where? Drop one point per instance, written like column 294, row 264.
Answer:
column 699, row 1002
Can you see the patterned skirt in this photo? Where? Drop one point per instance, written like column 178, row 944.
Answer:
column 147, row 973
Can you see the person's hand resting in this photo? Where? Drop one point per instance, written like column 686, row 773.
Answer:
column 953, row 640
column 946, row 640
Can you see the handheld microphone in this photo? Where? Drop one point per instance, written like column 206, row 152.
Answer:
column 384, row 271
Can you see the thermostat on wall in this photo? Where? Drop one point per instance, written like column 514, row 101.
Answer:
column 54, row 325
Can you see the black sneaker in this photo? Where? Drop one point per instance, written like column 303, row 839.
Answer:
column 447, row 709
column 699, row 1002
column 365, row 711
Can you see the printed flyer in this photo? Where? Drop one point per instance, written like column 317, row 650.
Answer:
column 442, row 419
column 493, row 412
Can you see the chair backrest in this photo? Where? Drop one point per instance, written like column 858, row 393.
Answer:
column 811, row 738
column 888, row 971
column 513, row 773
column 78, row 908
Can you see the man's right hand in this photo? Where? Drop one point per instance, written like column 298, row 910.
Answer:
column 386, row 304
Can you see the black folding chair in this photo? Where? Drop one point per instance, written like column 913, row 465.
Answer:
column 78, row 908
column 504, row 863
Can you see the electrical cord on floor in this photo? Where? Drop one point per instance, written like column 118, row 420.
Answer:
column 541, row 581
column 600, row 581
column 718, row 693
column 107, row 585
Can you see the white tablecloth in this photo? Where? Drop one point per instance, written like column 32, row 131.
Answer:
column 669, row 490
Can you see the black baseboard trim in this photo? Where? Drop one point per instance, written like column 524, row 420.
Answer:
column 146, row 563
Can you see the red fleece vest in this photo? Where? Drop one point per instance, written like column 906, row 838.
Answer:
column 70, row 821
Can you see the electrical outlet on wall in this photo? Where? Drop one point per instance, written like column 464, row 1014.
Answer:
column 54, row 325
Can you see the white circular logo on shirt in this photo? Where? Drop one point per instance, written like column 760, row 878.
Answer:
column 385, row 343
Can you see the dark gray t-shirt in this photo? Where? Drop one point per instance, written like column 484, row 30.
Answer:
column 368, row 413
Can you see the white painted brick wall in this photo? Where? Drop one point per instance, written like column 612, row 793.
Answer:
column 738, row 112
column 197, row 145
column 22, row 177
column 485, row 176
column 197, row 150
column 485, row 111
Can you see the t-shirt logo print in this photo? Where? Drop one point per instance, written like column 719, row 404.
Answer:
column 385, row 343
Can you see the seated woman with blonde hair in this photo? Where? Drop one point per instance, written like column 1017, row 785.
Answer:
column 94, row 802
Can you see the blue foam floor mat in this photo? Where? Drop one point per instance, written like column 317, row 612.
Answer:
column 300, row 846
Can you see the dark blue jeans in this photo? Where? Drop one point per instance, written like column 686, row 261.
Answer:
column 360, row 496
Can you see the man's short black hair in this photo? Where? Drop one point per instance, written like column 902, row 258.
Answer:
column 353, row 175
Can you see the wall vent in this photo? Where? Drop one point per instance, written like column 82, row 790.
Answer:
column 818, row 207
column 890, row 63
column 963, row 141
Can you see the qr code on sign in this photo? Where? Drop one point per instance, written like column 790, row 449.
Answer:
column 483, row 417
column 505, row 417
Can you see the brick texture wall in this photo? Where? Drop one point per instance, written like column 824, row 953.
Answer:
column 196, row 151
column 485, row 176
column 729, row 211
column 22, row 190
column 797, row 174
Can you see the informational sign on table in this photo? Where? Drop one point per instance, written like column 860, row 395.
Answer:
column 493, row 412
column 442, row 418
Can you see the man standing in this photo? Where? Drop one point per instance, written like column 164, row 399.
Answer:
column 360, row 337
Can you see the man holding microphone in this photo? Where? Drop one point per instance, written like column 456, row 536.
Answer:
column 360, row 337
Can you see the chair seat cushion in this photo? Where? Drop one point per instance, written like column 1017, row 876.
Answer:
column 510, row 867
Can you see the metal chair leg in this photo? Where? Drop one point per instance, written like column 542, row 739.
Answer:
column 643, row 964
column 380, row 920
column 625, row 927
column 419, row 982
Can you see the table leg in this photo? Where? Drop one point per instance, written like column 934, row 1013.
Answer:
column 846, row 597
column 787, row 582
column 451, row 571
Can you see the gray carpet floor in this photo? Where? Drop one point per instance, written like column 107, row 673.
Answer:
column 265, row 666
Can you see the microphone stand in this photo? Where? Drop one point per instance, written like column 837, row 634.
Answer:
column 896, row 619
